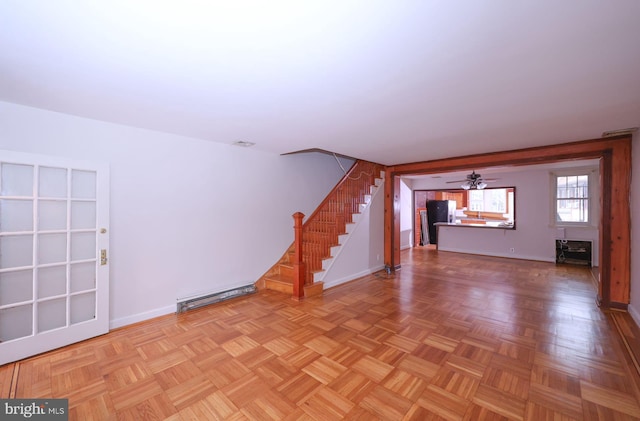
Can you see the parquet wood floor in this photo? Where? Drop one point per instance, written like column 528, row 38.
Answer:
column 448, row 337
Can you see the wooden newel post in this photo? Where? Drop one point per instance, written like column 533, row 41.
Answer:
column 298, row 264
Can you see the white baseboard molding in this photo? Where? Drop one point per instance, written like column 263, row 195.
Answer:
column 635, row 315
column 506, row 255
column 336, row 282
column 140, row 317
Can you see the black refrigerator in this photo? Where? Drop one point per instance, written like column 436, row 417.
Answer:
column 437, row 211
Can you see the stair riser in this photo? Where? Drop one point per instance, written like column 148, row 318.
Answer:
column 279, row 286
column 286, row 270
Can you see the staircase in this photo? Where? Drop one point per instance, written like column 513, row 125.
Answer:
column 322, row 232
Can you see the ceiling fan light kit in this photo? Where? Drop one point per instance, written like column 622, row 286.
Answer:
column 473, row 181
column 475, row 184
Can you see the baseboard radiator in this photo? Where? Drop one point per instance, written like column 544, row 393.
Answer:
column 196, row 302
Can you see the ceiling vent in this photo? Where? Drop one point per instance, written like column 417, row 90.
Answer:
column 243, row 143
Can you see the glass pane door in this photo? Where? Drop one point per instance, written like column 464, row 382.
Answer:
column 53, row 285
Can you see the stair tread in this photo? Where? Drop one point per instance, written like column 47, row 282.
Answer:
column 280, row 278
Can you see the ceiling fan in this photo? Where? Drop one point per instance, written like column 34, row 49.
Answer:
column 473, row 181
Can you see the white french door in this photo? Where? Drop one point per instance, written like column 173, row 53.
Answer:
column 54, row 242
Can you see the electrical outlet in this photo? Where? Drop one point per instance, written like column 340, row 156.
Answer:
column 512, row 250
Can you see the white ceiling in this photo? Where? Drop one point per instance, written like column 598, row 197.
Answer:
column 386, row 81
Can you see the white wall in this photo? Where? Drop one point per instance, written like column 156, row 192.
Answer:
column 634, row 307
column 406, row 215
column 187, row 216
column 534, row 236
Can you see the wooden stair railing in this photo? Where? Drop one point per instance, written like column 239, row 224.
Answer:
column 294, row 272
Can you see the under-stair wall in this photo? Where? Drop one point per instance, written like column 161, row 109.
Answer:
column 326, row 228
column 361, row 251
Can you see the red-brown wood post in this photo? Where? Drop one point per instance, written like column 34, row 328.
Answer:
column 298, row 264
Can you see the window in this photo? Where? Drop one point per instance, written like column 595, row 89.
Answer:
column 488, row 200
column 493, row 207
column 572, row 198
column 476, row 200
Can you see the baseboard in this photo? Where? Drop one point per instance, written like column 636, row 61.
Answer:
column 635, row 315
column 352, row 277
column 619, row 306
column 140, row 317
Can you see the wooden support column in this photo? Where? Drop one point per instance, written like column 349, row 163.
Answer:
column 604, row 253
column 617, row 243
column 391, row 220
column 298, row 264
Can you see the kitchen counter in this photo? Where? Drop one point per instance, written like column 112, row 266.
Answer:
column 473, row 224
column 491, row 225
